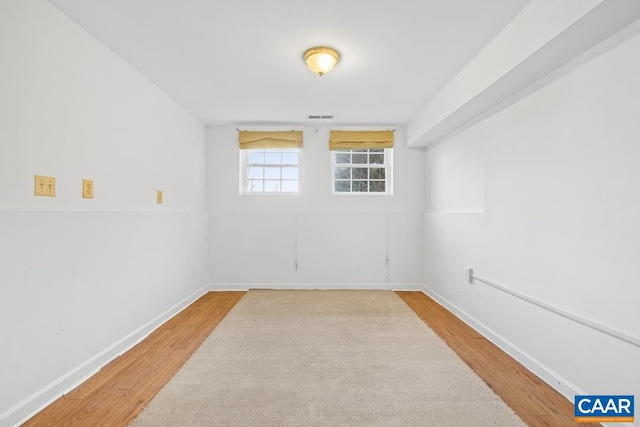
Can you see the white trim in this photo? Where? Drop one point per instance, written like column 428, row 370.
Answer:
column 320, row 286
column 555, row 380
column 37, row 401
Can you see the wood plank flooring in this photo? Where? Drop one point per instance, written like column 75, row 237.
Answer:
column 117, row 393
column 535, row 402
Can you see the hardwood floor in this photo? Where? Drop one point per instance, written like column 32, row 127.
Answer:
column 527, row 395
column 118, row 392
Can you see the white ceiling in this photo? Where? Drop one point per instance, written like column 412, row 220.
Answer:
column 241, row 62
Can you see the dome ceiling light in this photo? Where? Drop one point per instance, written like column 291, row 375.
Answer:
column 321, row 60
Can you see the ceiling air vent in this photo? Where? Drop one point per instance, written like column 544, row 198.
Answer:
column 317, row 117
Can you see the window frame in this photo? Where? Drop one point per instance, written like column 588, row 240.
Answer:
column 244, row 166
column 388, row 166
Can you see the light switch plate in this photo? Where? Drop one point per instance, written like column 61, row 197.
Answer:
column 159, row 197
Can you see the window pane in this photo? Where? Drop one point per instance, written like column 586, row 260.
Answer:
column 376, row 173
column 342, row 186
column 254, row 157
column 361, row 170
column 271, row 186
column 359, row 159
column 254, row 173
column 272, row 158
column 290, row 186
column 271, row 173
column 360, row 173
column 289, row 158
column 377, row 159
column 289, row 173
column 343, row 173
column 342, row 157
column 271, row 170
column 377, row 186
column 359, row 186
column 255, row 186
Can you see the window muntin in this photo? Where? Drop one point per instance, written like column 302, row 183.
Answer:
column 270, row 170
column 361, row 171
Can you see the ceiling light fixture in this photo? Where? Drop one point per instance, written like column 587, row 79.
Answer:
column 321, row 60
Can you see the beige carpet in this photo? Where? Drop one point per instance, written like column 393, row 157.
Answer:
column 325, row 358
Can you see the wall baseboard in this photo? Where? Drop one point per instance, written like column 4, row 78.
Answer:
column 36, row 402
column 319, row 286
column 555, row 380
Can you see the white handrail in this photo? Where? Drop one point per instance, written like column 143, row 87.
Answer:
column 597, row 326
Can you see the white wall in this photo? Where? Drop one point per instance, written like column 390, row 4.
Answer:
column 82, row 279
column 544, row 198
column 336, row 239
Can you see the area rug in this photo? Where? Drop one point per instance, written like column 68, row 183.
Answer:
column 325, row 358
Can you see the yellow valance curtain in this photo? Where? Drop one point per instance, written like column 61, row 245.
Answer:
column 346, row 139
column 284, row 139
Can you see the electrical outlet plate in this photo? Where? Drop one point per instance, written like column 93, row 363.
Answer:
column 87, row 189
column 159, row 197
column 44, row 186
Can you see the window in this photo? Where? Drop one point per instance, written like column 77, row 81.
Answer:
column 362, row 170
column 270, row 170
